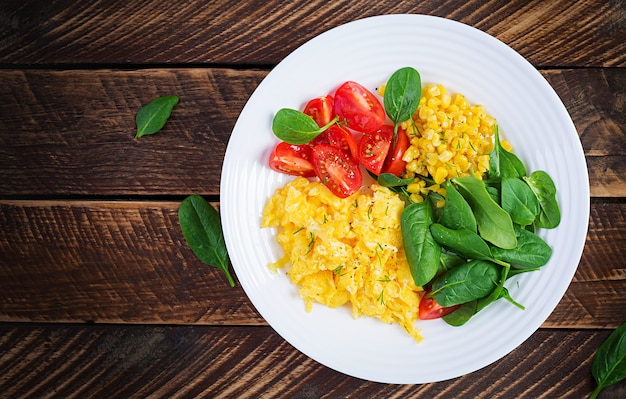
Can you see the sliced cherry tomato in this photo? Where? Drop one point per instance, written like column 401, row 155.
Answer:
column 359, row 107
column 394, row 163
column 292, row 159
column 430, row 309
column 373, row 148
column 321, row 110
column 339, row 137
column 337, row 170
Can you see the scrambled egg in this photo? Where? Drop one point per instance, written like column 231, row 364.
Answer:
column 349, row 250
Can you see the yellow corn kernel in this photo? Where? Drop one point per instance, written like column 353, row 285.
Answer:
column 410, row 154
column 381, row 90
column 506, row 145
column 440, row 175
column 412, row 166
column 413, row 188
column 416, row 198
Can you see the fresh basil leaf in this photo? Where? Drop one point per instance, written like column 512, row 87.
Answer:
column 402, row 95
column 609, row 362
column 295, row 127
column 473, row 280
column 494, row 223
column 422, row 252
column 202, row 229
column 152, row 117
column 542, row 185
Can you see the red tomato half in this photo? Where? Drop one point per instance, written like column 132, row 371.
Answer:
column 430, row 309
column 292, row 159
column 394, row 163
column 339, row 137
column 321, row 110
column 373, row 148
column 337, row 170
column 359, row 107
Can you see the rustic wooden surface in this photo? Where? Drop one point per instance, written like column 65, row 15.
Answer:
column 99, row 294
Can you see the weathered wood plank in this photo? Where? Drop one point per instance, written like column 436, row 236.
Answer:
column 72, row 132
column 127, row 262
column 555, row 33
column 74, row 361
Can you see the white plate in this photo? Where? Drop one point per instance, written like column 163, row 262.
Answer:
column 465, row 60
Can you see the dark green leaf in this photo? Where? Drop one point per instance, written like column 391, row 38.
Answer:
column 391, row 180
column 295, row 127
column 152, row 117
column 402, row 95
column 456, row 213
column 519, row 201
column 461, row 315
column 542, row 185
column 494, row 223
column 422, row 252
column 449, row 261
column 531, row 251
column 465, row 283
column 609, row 362
column 202, row 229
column 503, row 163
column 463, row 242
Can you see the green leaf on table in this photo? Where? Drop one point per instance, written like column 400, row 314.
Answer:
column 202, row 229
column 609, row 363
column 152, row 117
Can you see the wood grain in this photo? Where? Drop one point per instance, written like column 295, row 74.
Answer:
column 555, row 33
column 167, row 361
column 127, row 262
column 68, row 133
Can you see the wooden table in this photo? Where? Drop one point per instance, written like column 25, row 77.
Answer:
column 100, row 295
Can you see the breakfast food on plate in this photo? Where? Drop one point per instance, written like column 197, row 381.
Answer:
column 345, row 250
column 450, row 217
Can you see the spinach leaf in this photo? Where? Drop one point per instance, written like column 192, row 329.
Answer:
column 152, row 117
column 422, row 251
column 542, row 185
column 503, row 163
column 202, row 229
column 609, row 362
column 391, row 180
column 461, row 315
column 494, row 223
column 456, row 213
column 463, row 242
column 531, row 251
column 402, row 95
column 295, row 127
column 449, row 261
column 465, row 283
column 519, row 201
